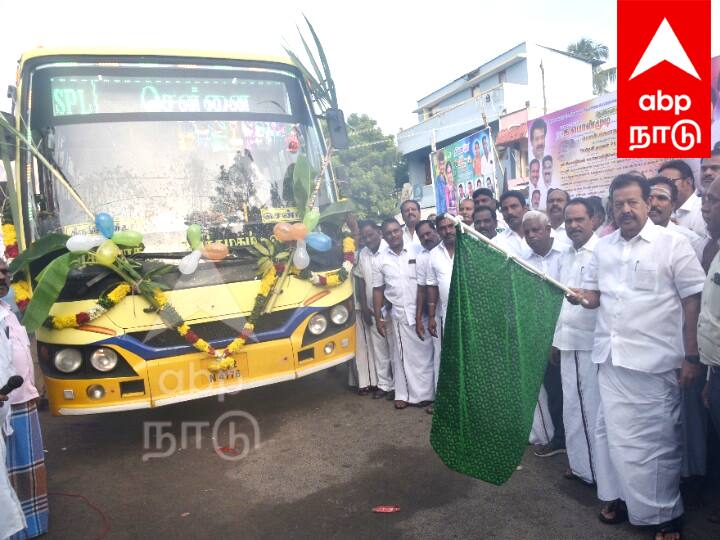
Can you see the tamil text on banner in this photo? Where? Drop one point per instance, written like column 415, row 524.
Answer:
column 497, row 337
column 462, row 167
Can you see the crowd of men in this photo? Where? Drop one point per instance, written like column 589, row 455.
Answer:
column 632, row 385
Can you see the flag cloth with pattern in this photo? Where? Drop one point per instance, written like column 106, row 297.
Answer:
column 496, row 342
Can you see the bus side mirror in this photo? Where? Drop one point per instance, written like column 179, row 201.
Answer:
column 7, row 138
column 338, row 129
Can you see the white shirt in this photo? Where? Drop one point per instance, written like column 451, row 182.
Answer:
column 696, row 241
column 709, row 320
column 550, row 263
column 575, row 329
column 560, row 235
column 511, row 242
column 397, row 273
column 411, row 239
column 364, row 269
column 421, row 266
column 642, row 282
column 440, row 273
column 689, row 215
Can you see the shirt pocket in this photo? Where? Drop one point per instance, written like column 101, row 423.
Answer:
column 644, row 276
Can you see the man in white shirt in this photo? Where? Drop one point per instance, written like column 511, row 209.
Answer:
column 536, row 185
column 646, row 281
column 410, row 212
column 512, row 239
column 438, row 282
column 487, row 163
column 709, row 171
column 429, row 238
column 573, row 341
column 548, row 431
column 557, row 199
column 394, row 279
column 485, row 221
column 693, row 413
column 372, row 356
column 688, row 203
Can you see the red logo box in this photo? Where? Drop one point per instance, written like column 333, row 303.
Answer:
column 663, row 78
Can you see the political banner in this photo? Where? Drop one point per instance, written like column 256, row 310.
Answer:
column 462, row 167
column 576, row 148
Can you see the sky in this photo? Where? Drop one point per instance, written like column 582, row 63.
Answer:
column 384, row 55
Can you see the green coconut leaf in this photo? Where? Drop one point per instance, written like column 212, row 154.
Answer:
column 302, row 184
column 39, row 249
column 329, row 83
column 47, row 290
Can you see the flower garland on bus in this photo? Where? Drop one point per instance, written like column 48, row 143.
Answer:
column 104, row 303
column 21, row 289
column 10, row 240
column 332, row 278
column 224, row 358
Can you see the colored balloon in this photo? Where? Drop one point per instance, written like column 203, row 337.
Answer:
column 107, row 253
column 299, row 231
column 84, row 242
column 189, row 263
column 283, row 232
column 194, row 236
column 319, row 241
column 215, row 251
column 301, row 259
column 311, row 219
column 127, row 238
column 105, row 224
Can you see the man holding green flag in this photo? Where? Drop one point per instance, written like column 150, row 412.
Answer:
column 499, row 327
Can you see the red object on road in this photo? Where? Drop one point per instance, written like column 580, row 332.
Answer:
column 386, row 509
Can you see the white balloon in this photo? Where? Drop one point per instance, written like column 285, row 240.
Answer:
column 301, row 259
column 189, row 263
column 84, row 242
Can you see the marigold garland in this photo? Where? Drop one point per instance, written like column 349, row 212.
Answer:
column 22, row 294
column 105, row 302
column 10, row 240
column 332, row 278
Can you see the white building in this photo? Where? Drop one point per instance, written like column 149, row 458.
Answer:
column 522, row 83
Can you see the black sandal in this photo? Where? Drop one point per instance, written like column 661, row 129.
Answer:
column 617, row 507
column 669, row 527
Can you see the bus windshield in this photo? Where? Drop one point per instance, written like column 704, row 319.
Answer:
column 159, row 149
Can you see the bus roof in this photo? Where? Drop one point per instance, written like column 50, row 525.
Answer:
column 40, row 52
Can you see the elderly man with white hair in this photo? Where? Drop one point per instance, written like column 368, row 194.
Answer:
column 545, row 255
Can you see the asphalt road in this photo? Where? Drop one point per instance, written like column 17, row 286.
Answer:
column 325, row 457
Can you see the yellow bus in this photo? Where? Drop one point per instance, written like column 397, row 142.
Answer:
column 161, row 140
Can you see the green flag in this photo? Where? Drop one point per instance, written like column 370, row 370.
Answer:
column 496, row 342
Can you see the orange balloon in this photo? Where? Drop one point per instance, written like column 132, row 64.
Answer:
column 299, row 231
column 283, row 232
column 215, row 251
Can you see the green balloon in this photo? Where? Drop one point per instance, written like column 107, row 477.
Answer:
column 127, row 238
column 194, row 236
column 311, row 219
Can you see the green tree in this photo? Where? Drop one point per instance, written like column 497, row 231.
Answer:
column 597, row 54
column 369, row 169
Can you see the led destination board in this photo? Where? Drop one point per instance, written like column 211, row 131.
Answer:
column 111, row 94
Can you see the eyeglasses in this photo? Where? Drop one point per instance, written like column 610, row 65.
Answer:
column 673, row 180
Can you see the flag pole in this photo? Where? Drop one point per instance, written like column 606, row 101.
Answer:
column 529, row 267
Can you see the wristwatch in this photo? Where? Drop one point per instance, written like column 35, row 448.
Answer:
column 693, row 359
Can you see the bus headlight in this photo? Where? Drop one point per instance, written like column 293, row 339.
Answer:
column 104, row 359
column 67, row 360
column 318, row 324
column 339, row 314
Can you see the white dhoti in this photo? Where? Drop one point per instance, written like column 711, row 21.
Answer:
column 382, row 357
column 412, row 364
column 581, row 400
column 437, row 349
column 362, row 369
column 542, row 428
column 639, row 443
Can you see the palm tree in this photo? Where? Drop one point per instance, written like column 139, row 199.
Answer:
column 597, row 54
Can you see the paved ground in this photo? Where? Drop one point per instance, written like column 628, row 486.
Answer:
column 325, row 458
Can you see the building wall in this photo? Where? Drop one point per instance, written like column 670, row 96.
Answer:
column 567, row 81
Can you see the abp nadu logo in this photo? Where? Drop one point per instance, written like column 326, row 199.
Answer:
column 663, row 78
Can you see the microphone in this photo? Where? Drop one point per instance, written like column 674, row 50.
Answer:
column 12, row 383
